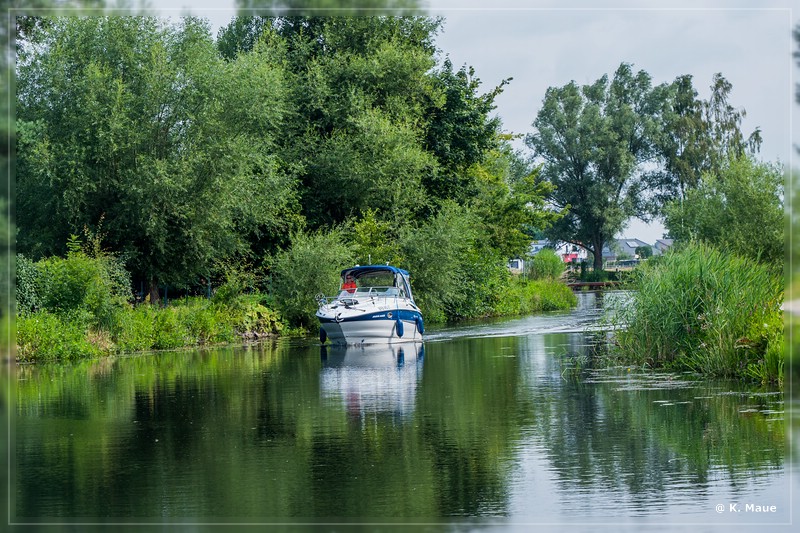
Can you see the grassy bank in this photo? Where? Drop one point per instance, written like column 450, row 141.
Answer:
column 46, row 336
column 49, row 336
column 524, row 297
column 707, row 311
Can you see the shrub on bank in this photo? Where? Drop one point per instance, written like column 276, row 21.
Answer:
column 546, row 264
column 133, row 329
column 26, row 293
column 78, row 282
column 45, row 336
column 309, row 267
column 704, row 310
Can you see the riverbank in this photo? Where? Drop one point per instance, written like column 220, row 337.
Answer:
column 47, row 336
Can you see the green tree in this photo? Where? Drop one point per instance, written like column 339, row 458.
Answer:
column 510, row 201
column 306, row 7
column 595, row 142
column 698, row 136
column 359, row 88
column 375, row 241
column 377, row 125
column 143, row 125
column 460, row 132
column 643, row 252
column 739, row 210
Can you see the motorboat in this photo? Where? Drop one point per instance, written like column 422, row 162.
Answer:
column 374, row 306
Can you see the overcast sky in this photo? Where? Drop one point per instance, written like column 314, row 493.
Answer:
column 544, row 43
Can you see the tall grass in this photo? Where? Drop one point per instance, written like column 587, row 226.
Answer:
column 704, row 310
column 522, row 297
column 45, row 336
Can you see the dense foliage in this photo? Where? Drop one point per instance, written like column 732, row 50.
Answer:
column 192, row 153
column 79, row 306
column 739, row 208
column 286, row 149
column 143, row 127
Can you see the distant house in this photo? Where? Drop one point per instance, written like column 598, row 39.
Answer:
column 662, row 245
column 569, row 253
column 516, row 266
column 621, row 249
column 628, row 247
column 538, row 245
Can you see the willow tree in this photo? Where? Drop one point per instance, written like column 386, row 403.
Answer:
column 140, row 130
column 595, row 142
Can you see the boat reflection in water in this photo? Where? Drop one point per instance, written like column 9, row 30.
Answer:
column 374, row 378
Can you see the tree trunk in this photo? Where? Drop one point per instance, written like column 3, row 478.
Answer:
column 598, row 255
column 155, row 298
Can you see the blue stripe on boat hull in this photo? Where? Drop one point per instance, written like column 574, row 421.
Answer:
column 362, row 330
column 408, row 316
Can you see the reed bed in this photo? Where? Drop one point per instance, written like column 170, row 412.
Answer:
column 705, row 310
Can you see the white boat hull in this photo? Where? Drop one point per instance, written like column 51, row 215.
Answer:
column 367, row 331
column 371, row 320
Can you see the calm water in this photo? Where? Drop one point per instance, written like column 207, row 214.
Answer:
column 499, row 425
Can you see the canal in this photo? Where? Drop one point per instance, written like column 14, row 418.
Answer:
column 494, row 425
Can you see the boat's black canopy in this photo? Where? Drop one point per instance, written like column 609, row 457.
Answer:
column 358, row 271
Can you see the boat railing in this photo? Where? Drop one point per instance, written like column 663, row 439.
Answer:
column 384, row 291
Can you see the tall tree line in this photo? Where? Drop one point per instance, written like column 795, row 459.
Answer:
column 621, row 148
column 184, row 152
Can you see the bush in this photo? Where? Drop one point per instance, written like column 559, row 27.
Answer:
column 525, row 297
column 439, row 256
column 237, row 283
column 97, row 285
column 704, row 310
column 44, row 336
column 168, row 330
column 254, row 317
column 133, row 329
column 309, row 267
column 546, row 264
column 27, row 297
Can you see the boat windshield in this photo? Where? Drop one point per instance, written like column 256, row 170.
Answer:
column 379, row 283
